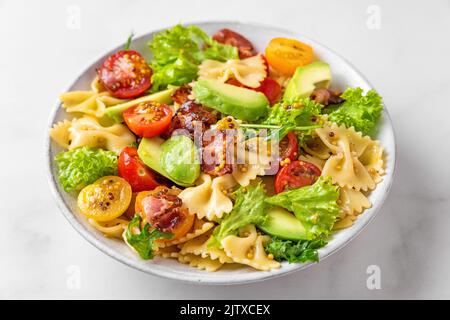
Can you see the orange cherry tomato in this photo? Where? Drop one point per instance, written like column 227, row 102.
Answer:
column 285, row 55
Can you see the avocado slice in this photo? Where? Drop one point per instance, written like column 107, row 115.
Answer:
column 306, row 79
column 283, row 224
column 115, row 113
column 180, row 160
column 150, row 151
column 241, row 103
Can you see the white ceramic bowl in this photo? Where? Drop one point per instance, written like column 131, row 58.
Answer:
column 344, row 75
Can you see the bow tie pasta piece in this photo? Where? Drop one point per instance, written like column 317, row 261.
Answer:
column 88, row 132
column 252, row 160
column 208, row 199
column 88, row 102
column 372, row 160
column 334, row 136
column 319, row 163
column 200, row 227
column 60, row 133
column 347, row 171
column 113, row 228
column 248, row 249
column 96, row 85
column 352, row 203
column 345, row 166
column 168, row 252
column 199, row 247
column 250, row 72
column 201, row 263
column 317, row 148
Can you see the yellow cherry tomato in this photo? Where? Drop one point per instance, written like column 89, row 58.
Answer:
column 106, row 199
column 285, row 55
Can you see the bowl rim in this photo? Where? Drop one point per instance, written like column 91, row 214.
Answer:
column 172, row 274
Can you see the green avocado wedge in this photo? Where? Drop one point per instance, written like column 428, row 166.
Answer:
column 115, row 112
column 241, row 103
column 306, row 79
column 180, row 160
column 283, row 224
column 155, row 153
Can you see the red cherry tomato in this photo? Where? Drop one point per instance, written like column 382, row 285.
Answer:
column 236, row 83
column 227, row 36
column 295, row 175
column 148, row 119
column 271, row 89
column 125, row 74
column 289, row 147
column 132, row 169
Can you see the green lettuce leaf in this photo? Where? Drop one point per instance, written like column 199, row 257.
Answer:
column 249, row 208
column 359, row 111
column 315, row 206
column 177, row 52
column 142, row 241
column 305, row 114
column 80, row 167
column 295, row 252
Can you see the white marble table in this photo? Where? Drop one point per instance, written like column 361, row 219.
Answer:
column 406, row 59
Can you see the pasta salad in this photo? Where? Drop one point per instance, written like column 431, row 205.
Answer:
column 212, row 153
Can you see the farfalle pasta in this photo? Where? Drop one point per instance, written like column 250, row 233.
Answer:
column 352, row 203
column 248, row 248
column 344, row 166
column 218, row 156
column 87, row 131
column 250, row 72
column 209, row 198
column 252, row 160
column 199, row 247
column 199, row 228
column 113, row 228
column 88, row 102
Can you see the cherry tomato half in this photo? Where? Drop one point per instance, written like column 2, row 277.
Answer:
column 125, row 74
column 132, row 169
column 289, row 147
column 163, row 209
column 285, row 55
column 295, row 175
column 271, row 89
column 148, row 119
column 227, row 36
column 106, row 199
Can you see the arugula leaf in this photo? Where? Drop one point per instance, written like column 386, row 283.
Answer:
column 177, row 52
column 361, row 112
column 129, row 39
column 302, row 113
column 79, row 167
column 249, row 208
column 142, row 241
column 295, row 252
column 315, row 206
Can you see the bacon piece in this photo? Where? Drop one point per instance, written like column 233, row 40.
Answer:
column 181, row 95
column 162, row 209
column 227, row 36
column 326, row 96
column 217, row 153
column 190, row 115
